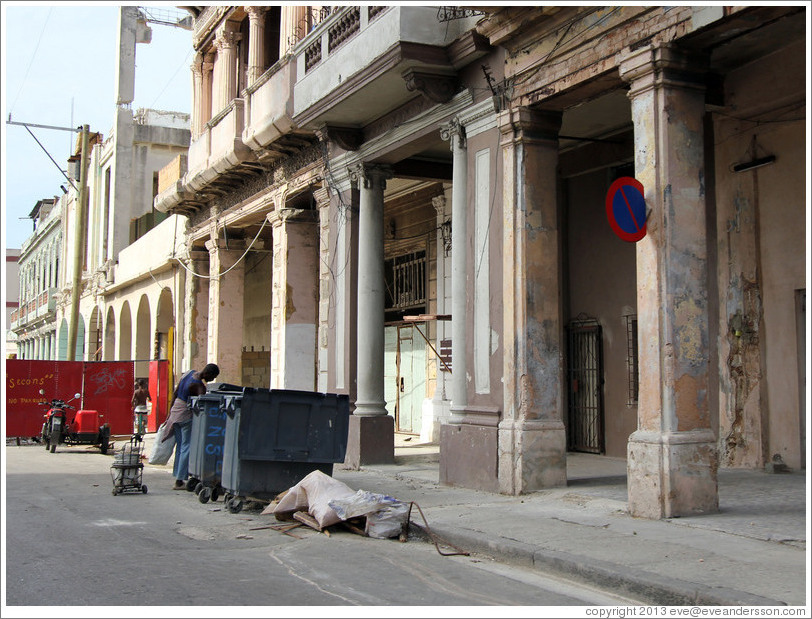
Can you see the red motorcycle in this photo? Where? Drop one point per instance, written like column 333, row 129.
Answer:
column 81, row 428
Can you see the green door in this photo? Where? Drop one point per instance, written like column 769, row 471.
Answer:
column 390, row 369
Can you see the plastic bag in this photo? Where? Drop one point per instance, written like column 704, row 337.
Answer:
column 161, row 450
column 385, row 515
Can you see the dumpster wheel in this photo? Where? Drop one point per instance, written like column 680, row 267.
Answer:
column 234, row 505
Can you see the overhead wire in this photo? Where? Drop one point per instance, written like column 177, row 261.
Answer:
column 31, row 61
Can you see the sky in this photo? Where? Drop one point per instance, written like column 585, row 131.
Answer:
column 58, row 69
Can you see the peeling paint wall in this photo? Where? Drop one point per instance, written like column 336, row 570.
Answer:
column 762, row 257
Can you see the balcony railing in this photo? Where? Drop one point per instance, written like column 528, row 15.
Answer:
column 43, row 305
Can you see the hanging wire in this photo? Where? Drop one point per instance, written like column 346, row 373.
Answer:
column 240, row 259
column 31, row 62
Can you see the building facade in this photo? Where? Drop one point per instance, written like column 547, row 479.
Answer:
column 38, row 279
column 12, row 299
column 409, row 205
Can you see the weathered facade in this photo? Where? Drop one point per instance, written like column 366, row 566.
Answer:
column 407, row 204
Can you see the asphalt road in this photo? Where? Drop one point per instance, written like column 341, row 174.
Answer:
column 71, row 542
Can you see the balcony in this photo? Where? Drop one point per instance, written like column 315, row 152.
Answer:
column 269, row 128
column 364, row 61
column 219, row 149
column 40, row 308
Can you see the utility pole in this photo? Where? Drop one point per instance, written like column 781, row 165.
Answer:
column 78, row 245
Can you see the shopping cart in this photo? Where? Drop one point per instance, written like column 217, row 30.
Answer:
column 127, row 469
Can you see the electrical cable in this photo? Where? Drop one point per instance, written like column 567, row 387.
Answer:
column 31, row 62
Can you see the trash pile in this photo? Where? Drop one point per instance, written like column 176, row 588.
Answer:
column 319, row 501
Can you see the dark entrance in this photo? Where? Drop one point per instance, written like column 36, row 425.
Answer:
column 585, row 427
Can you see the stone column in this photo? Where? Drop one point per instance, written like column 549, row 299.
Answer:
column 294, row 312
column 532, row 451
column 197, row 95
column 256, row 42
column 226, row 66
column 371, row 437
column 322, row 197
column 226, row 289
column 455, row 132
column 440, row 402
column 207, row 87
column 293, row 24
column 672, row 457
column 196, row 312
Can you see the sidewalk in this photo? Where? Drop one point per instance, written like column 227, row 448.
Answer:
column 753, row 552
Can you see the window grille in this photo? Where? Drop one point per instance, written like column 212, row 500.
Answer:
column 406, row 281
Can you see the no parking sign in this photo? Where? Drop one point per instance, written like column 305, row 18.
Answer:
column 626, row 209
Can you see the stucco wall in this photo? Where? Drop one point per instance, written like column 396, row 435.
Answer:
column 602, row 285
column 762, row 257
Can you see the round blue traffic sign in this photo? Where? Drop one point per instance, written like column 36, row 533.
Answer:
column 626, row 209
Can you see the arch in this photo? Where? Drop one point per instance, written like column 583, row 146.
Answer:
column 80, row 339
column 164, row 321
column 143, row 332
column 94, row 336
column 62, row 343
column 125, row 333
column 110, row 335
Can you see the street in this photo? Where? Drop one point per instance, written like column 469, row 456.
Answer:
column 70, row 542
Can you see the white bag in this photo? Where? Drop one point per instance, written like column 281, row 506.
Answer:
column 161, row 450
column 385, row 515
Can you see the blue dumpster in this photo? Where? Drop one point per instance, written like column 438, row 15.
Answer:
column 275, row 437
column 206, row 442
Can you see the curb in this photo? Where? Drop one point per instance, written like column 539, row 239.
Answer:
column 645, row 586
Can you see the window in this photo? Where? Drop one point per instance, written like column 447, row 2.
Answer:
column 405, row 284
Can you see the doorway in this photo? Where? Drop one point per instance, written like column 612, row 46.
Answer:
column 585, row 428
column 404, row 376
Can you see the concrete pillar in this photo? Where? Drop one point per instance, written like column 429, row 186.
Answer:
column 532, row 452
column 256, row 41
column 225, row 86
column 197, row 95
column 226, row 288
column 196, row 313
column 371, row 437
column 294, row 312
column 672, row 457
column 322, row 197
column 455, row 132
column 440, row 402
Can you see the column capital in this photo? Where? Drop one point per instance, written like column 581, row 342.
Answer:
column 322, row 197
column 281, row 216
column 523, row 123
column 371, row 175
column 255, row 13
column 451, row 130
column 661, row 65
column 226, row 38
column 197, row 65
column 439, row 204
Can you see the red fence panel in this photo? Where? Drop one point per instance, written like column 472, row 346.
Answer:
column 24, row 378
column 159, row 392
column 108, row 388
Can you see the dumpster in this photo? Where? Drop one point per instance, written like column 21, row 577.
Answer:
column 275, row 437
column 206, row 441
